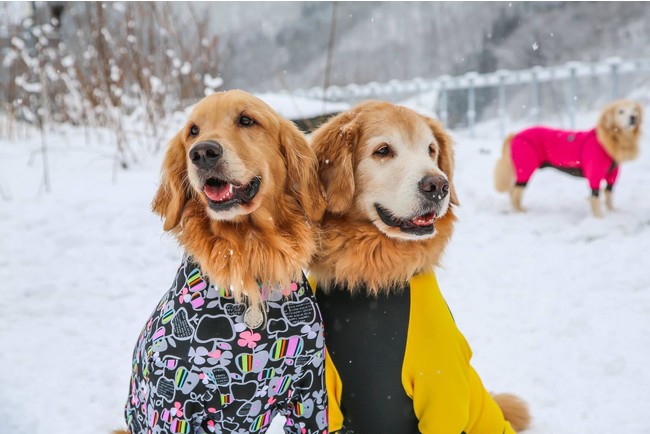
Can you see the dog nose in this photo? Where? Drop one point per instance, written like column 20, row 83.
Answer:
column 205, row 155
column 633, row 120
column 434, row 187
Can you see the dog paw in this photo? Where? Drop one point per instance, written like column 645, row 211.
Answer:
column 597, row 212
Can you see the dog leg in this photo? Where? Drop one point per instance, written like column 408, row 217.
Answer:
column 515, row 197
column 595, row 206
column 609, row 203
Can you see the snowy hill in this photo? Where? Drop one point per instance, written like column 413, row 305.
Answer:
column 554, row 303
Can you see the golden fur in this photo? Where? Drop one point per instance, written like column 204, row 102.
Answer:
column 353, row 250
column 622, row 144
column 504, row 173
column 515, row 410
column 274, row 237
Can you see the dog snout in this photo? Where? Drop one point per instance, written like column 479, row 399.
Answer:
column 633, row 120
column 205, row 155
column 434, row 187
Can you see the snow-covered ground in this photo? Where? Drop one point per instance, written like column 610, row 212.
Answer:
column 555, row 303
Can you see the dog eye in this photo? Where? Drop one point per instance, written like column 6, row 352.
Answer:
column 432, row 150
column 384, row 151
column 621, row 111
column 194, row 131
column 246, row 121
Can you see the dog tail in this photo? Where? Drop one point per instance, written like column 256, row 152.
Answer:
column 504, row 172
column 120, row 431
column 515, row 410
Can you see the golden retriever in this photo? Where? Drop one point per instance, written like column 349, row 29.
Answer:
column 375, row 161
column 240, row 191
column 248, row 216
column 594, row 154
column 388, row 177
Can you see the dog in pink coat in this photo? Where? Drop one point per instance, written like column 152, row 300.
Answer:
column 593, row 154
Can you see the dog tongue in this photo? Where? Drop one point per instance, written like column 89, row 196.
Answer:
column 425, row 220
column 219, row 193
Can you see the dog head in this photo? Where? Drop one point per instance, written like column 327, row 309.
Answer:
column 388, row 165
column 236, row 155
column 619, row 128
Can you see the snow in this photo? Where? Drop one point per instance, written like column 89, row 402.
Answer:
column 295, row 107
column 212, row 82
column 186, row 68
column 28, row 87
column 9, row 59
column 17, row 42
column 424, row 102
column 553, row 302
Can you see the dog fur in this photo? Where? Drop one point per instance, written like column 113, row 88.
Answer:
column 347, row 227
column 515, row 410
column 272, row 238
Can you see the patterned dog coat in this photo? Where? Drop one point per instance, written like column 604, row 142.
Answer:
column 198, row 368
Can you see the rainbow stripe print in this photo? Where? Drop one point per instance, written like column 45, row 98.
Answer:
column 283, row 385
column 245, row 362
column 226, row 399
column 194, row 281
column 225, row 293
column 181, row 376
column 266, row 374
column 261, row 421
column 180, row 426
column 287, row 348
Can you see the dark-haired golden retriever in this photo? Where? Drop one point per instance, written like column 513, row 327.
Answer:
column 238, row 337
column 256, row 206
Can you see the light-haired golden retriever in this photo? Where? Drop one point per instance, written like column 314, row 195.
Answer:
column 594, row 154
column 240, row 191
column 388, row 175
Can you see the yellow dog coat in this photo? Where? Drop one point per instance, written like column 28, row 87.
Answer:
column 443, row 392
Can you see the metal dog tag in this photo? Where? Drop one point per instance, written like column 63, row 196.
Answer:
column 253, row 317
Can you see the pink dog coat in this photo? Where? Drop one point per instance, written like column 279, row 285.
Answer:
column 578, row 153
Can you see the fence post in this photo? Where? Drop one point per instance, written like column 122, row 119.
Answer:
column 502, row 101
column 573, row 92
column 614, row 64
column 471, row 103
column 535, row 110
column 444, row 111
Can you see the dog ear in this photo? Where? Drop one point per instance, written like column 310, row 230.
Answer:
column 334, row 143
column 302, row 170
column 607, row 118
column 445, row 155
column 172, row 194
column 639, row 108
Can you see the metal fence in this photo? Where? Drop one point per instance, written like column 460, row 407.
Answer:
column 610, row 69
